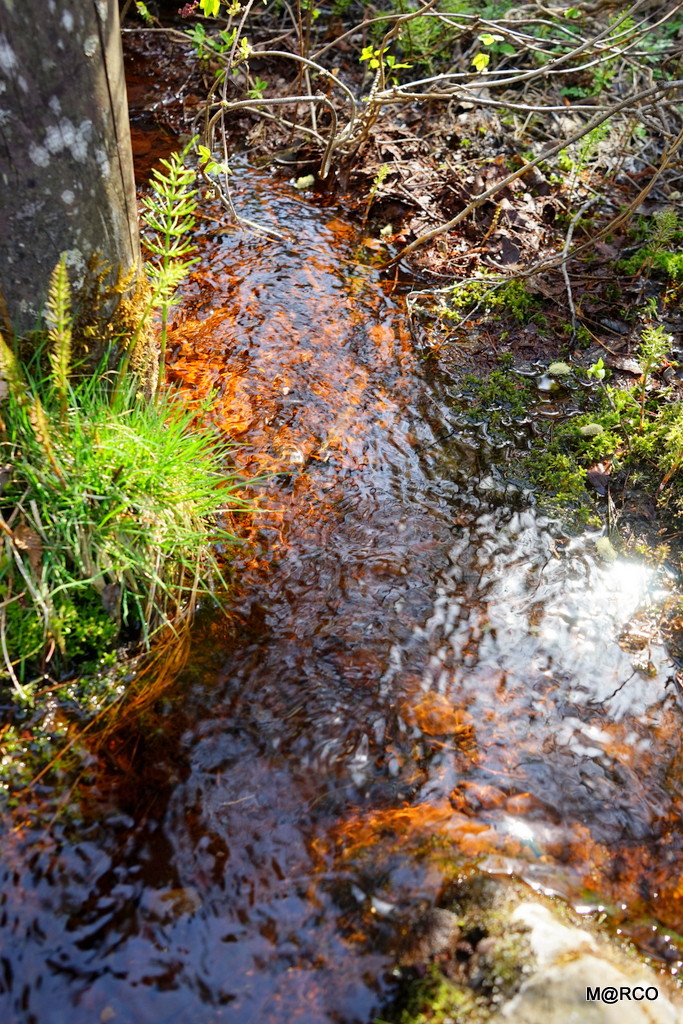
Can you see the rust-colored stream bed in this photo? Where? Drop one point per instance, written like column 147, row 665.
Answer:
column 417, row 673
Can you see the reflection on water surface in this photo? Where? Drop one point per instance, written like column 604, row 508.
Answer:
column 418, row 670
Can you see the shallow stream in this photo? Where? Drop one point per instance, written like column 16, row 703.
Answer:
column 418, row 672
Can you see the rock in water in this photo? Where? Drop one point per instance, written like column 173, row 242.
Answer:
column 434, row 934
column 575, row 982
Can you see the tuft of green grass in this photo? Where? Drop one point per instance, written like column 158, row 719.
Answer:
column 110, row 514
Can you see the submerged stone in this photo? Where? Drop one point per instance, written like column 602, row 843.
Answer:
column 435, row 933
column 576, row 982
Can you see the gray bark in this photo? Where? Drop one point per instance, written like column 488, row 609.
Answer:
column 66, row 176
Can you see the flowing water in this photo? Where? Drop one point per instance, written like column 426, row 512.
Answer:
column 417, row 672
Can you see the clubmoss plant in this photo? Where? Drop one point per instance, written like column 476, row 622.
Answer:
column 654, row 346
column 661, row 251
column 169, row 218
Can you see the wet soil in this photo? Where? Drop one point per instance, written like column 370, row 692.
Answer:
column 418, row 673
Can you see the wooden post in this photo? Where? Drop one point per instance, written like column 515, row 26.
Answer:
column 66, row 172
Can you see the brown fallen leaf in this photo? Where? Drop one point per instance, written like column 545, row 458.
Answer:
column 626, row 364
column 508, row 253
column 607, row 250
column 28, row 540
column 436, row 715
column 599, row 481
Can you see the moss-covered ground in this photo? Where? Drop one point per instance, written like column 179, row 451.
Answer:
column 490, row 962
column 599, row 445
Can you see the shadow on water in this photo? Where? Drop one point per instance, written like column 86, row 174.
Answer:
column 419, row 672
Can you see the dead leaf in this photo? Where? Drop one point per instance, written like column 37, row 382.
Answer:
column 508, row 253
column 28, row 540
column 616, row 326
column 599, row 481
column 435, row 715
column 547, row 288
column 625, row 364
column 607, row 250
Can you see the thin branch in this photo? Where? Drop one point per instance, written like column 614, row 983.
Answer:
column 565, row 249
column 544, row 156
column 550, row 263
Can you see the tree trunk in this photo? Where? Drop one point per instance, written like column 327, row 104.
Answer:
column 66, row 173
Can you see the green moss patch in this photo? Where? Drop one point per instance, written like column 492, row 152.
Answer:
column 510, row 298
column 434, row 999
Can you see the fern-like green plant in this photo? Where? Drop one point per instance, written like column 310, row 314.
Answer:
column 671, row 457
column 58, row 319
column 657, row 252
column 169, row 218
column 587, row 149
column 664, row 229
column 41, row 429
column 29, row 401
column 374, row 188
column 654, row 347
column 12, row 374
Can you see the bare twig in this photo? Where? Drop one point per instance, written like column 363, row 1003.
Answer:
column 565, row 249
column 553, row 151
column 5, row 653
